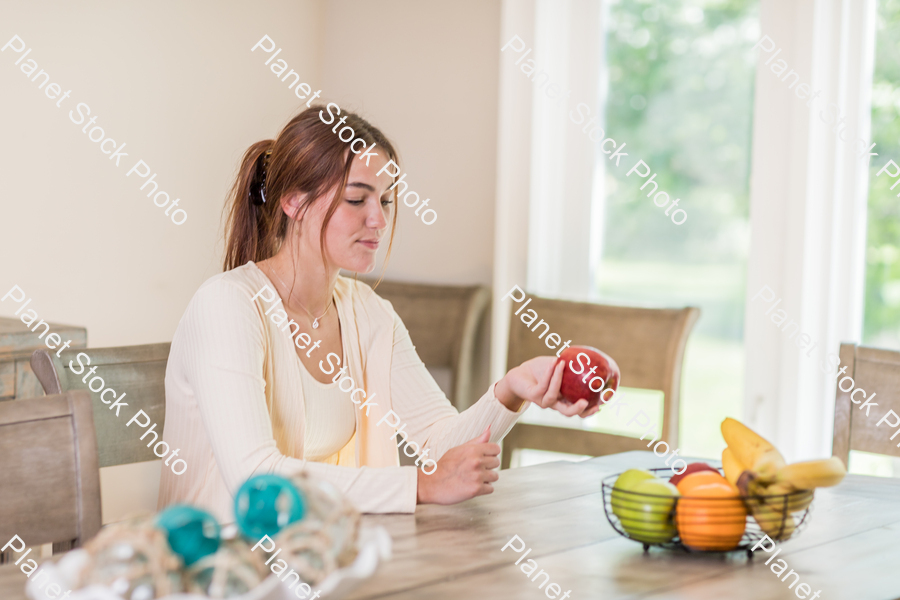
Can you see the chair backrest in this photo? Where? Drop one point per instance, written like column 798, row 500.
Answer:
column 443, row 323
column 18, row 341
column 875, row 371
column 138, row 371
column 50, row 490
column 647, row 343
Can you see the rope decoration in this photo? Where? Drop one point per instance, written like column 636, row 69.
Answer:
column 133, row 559
column 232, row 571
column 325, row 540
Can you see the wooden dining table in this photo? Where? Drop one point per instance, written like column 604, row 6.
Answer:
column 849, row 549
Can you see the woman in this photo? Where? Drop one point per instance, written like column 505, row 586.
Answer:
column 243, row 397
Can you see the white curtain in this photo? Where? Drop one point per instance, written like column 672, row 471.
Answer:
column 513, row 176
column 568, row 44
column 545, row 162
column 808, row 194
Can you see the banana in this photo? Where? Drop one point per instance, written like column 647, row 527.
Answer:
column 752, row 450
column 752, row 488
column 813, row 473
column 780, row 497
column 784, row 496
column 768, row 464
column 800, row 501
column 781, row 488
column 775, row 495
column 732, row 466
column 778, row 525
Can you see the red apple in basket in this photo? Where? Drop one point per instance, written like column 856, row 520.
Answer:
column 691, row 468
column 588, row 374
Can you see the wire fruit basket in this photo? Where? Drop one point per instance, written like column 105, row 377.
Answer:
column 703, row 524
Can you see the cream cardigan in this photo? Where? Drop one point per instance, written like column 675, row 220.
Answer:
column 234, row 399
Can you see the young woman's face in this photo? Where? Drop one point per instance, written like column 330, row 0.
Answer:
column 359, row 222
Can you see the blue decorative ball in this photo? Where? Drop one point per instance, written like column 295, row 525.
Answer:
column 192, row 533
column 266, row 504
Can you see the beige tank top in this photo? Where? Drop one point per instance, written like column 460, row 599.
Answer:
column 330, row 418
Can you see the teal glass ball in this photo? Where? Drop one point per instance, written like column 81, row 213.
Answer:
column 266, row 504
column 192, row 533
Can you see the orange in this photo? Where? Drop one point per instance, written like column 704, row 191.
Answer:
column 689, row 482
column 711, row 515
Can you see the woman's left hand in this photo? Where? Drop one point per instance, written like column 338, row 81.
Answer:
column 538, row 380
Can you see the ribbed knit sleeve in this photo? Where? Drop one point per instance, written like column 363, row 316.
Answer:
column 432, row 422
column 222, row 348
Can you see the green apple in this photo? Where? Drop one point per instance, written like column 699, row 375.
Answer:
column 626, row 482
column 647, row 515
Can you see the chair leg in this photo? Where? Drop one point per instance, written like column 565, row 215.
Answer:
column 506, row 459
column 506, row 455
column 509, row 445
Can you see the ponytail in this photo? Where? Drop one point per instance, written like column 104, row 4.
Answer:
column 246, row 225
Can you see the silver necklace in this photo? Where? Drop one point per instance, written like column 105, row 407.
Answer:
column 315, row 319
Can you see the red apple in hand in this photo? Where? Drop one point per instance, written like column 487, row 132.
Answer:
column 588, row 373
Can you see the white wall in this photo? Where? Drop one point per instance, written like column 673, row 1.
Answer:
column 426, row 73
column 177, row 83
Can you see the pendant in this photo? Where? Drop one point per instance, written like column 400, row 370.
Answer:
column 315, row 324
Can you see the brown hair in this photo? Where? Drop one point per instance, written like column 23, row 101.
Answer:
column 306, row 157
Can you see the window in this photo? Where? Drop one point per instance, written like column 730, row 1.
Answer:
column 881, row 319
column 679, row 91
column 881, row 323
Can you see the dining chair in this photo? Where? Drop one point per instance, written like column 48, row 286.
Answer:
column 18, row 341
column 443, row 322
column 138, row 371
column 647, row 344
column 50, row 490
column 875, row 371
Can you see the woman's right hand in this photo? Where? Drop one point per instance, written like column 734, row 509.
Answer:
column 463, row 472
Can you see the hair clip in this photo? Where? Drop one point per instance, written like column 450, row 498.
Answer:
column 258, row 184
